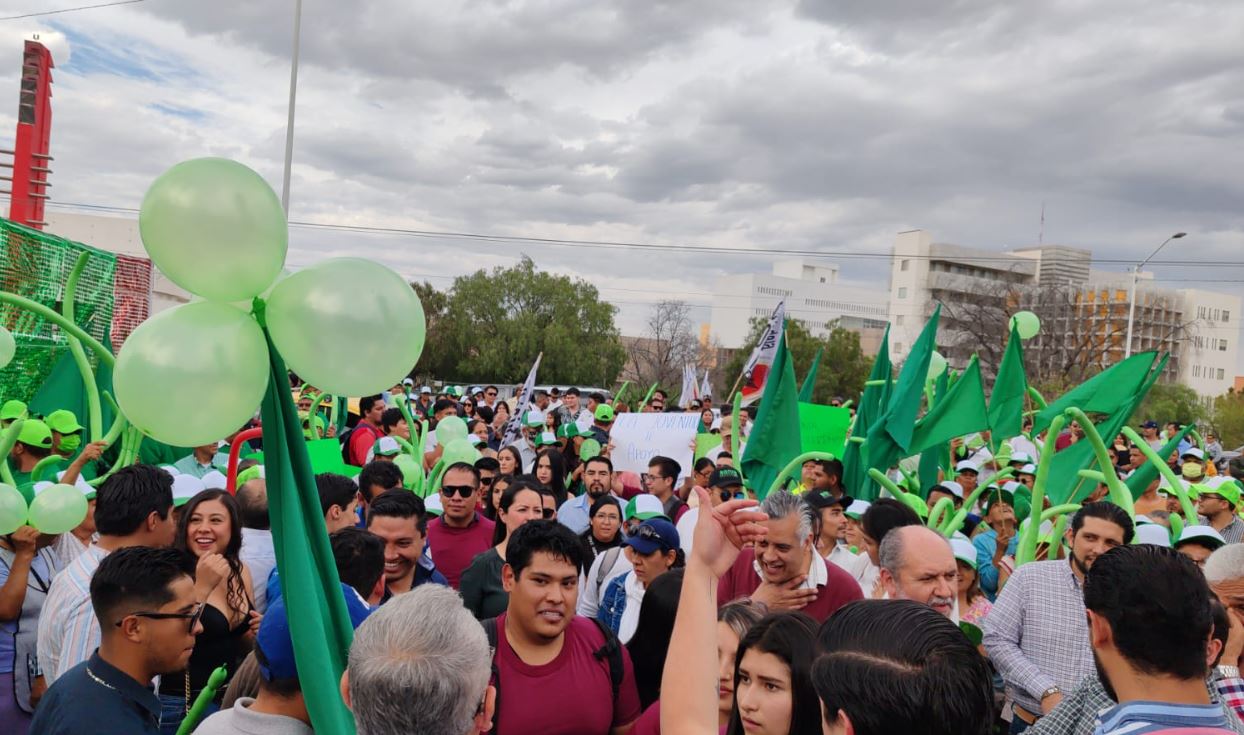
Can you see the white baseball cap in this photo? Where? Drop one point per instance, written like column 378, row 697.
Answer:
column 1206, row 535
column 387, row 446
column 857, row 508
column 1028, row 469
column 1193, row 452
column 1021, row 457
column 186, row 487
column 964, row 551
column 968, row 465
column 1152, row 533
column 215, row 480
column 950, row 486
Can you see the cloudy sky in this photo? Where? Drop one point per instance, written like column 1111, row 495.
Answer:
column 812, row 125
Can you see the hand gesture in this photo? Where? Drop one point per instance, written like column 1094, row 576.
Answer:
column 253, row 626
column 1005, row 534
column 211, row 570
column 786, row 596
column 1234, row 647
column 722, row 531
column 91, row 452
column 23, row 541
column 332, row 432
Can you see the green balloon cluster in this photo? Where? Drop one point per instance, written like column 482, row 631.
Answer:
column 8, row 347
column 349, row 326
column 215, row 228
column 459, row 450
column 409, row 468
column 1026, row 323
column 449, row 430
column 192, row 374
column 58, row 509
column 12, row 509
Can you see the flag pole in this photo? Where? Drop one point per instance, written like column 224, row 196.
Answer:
column 293, row 95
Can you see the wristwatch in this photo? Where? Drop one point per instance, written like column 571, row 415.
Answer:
column 1050, row 692
column 1228, row 672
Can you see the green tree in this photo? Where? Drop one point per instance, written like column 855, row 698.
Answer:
column 1228, row 419
column 437, row 359
column 844, row 367
column 495, row 323
column 1171, row 402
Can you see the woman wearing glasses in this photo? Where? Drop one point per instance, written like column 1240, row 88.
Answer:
column 211, row 530
column 481, row 588
column 652, row 550
column 604, row 530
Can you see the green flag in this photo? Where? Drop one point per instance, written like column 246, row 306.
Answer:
column 1139, row 480
column 960, row 413
column 809, row 380
column 854, row 469
column 935, row 458
column 319, row 623
column 774, row 440
column 1106, row 392
column 1006, row 401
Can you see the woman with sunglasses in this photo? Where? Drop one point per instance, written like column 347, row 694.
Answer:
column 482, row 591
column 604, row 529
column 653, row 550
column 210, row 525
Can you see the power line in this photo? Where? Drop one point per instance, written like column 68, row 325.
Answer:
column 71, row 10
column 613, row 244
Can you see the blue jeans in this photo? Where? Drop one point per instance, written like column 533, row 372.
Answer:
column 173, row 711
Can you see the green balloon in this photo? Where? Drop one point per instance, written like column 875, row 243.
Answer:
column 937, row 365
column 409, row 467
column 193, row 374
column 588, row 449
column 450, row 429
column 8, row 347
column 459, row 450
column 12, row 509
column 58, row 509
column 1026, row 323
column 348, row 326
column 215, row 228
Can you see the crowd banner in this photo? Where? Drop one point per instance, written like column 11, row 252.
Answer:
column 638, row 437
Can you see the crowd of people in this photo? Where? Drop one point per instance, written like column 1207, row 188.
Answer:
column 540, row 590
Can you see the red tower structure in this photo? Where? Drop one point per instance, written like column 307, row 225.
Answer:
column 31, row 161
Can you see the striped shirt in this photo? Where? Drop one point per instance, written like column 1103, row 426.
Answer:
column 1078, row 713
column 68, row 630
column 1036, row 634
column 1141, row 717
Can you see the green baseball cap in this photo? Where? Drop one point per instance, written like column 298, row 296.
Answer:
column 533, row 418
column 568, row 430
column 546, row 439
column 1226, row 489
column 63, row 421
column 604, row 413
column 35, row 433
column 12, row 410
column 644, row 507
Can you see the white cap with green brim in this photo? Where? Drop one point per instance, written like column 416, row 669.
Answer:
column 1021, row 457
column 533, row 418
column 387, row 446
column 1028, row 469
column 856, row 509
column 1203, row 535
column 186, row 487
column 964, row 551
column 1152, row 533
column 215, row 480
column 643, row 507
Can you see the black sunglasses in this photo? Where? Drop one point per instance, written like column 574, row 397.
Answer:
column 192, row 616
column 648, row 533
column 547, row 513
column 463, row 491
column 486, row 480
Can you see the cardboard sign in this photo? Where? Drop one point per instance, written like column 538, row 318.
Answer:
column 823, row 428
column 638, row 437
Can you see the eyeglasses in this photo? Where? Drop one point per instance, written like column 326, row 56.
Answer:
column 463, row 491
column 486, row 480
column 491, row 393
column 648, row 478
column 192, row 616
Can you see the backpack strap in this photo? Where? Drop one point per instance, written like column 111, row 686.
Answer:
column 611, row 650
column 608, row 559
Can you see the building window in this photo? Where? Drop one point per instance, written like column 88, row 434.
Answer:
column 903, row 264
column 1220, row 373
column 899, row 320
column 1226, row 316
column 822, row 279
column 902, row 292
column 1222, row 345
column 1200, row 312
column 1196, row 371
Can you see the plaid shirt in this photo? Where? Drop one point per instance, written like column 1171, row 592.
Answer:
column 1079, row 712
column 68, row 630
column 1036, row 634
column 1233, row 532
column 1230, row 689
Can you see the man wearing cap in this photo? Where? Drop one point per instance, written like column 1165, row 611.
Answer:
column 1217, row 503
column 998, row 540
column 34, row 442
column 66, row 432
column 385, row 449
column 1149, row 432
column 727, row 432
column 602, row 420
column 12, row 411
column 948, row 489
column 1192, row 464
column 598, row 482
column 967, row 474
column 723, row 483
column 832, row 522
column 918, row 565
column 1198, row 543
column 784, row 571
column 279, row 708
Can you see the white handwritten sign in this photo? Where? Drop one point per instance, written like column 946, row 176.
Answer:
column 638, row 437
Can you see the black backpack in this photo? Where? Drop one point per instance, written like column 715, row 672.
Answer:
column 611, row 651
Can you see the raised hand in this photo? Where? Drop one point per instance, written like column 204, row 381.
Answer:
column 722, row 531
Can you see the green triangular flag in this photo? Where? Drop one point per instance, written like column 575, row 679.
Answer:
column 960, row 413
column 871, row 403
column 1105, row 392
column 774, row 440
column 936, row 458
column 809, row 380
column 1006, row 401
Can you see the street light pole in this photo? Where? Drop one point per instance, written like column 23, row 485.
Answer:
column 1131, row 309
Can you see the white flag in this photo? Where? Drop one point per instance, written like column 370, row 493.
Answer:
column 756, row 371
column 706, row 389
column 514, row 428
column 688, row 393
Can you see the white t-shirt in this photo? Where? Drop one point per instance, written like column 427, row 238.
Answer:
column 853, row 564
column 686, row 529
column 630, row 614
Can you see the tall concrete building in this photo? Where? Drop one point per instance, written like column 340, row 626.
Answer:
column 814, row 295
column 1084, row 312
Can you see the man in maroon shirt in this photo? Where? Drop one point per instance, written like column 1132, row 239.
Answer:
column 784, row 571
column 367, row 430
column 544, row 650
column 460, row 533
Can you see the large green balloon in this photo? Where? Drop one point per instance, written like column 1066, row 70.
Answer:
column 588, row 449
column 12, row 509
column 409, row 467
column 937, row 365
column 348, row 326
column 459, row 450
column 1026, row 323
column 8, row 347
column 58, row 509
column 215, row 228
column 450, row 429
column 193, row 374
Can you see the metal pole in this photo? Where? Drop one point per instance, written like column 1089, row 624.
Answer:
column 1131, row 312
column 293, row 95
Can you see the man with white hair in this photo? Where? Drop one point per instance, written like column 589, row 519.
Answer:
column 420, row 664
column 917, row 564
